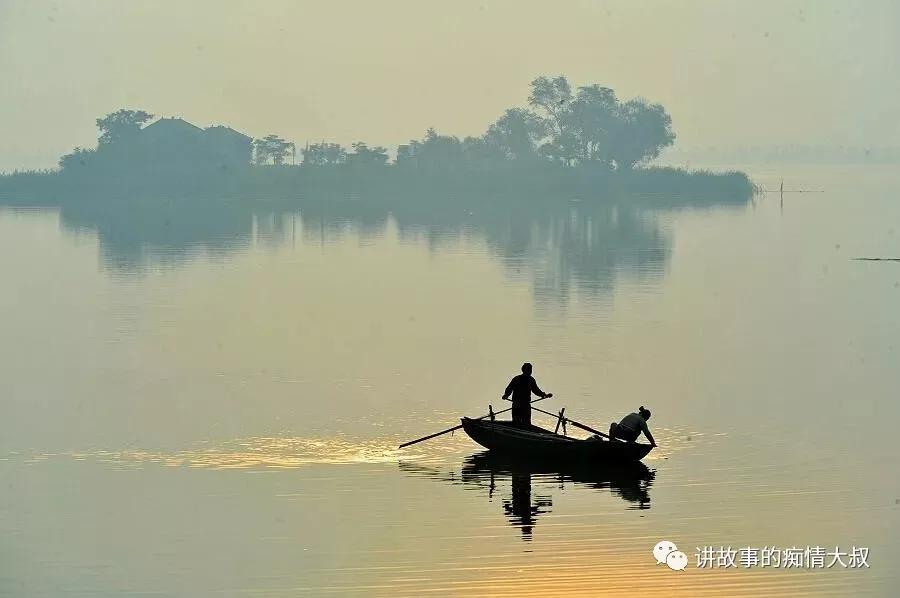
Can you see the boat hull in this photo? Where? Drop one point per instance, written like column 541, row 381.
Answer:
column 509, row 438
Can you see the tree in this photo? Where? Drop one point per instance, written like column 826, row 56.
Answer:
column 324, row 154
column 563, row 148
column 552, row 96
column 593, row 127
column 79, row 158
column 121, row 125
column 364, row 156
column 644, row 130
column 516, row 134
column 580, row 126
column 592, row 120
column 439, row 151
column 272, row 147
column 478, row 153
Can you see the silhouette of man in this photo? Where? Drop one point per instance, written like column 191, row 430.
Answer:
column 521, row 387
column 631, row 427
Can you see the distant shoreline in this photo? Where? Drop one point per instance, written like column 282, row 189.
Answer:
column 576, row 142
column 303, row 182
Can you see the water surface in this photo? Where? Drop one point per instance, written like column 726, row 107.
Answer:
column 205, row 398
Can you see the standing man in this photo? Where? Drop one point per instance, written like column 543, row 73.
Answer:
column 521, row 388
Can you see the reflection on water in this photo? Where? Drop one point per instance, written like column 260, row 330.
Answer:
column 251, row 453
column 136, row 235
column 215, row 409
column 526, row 486
column 563, row 244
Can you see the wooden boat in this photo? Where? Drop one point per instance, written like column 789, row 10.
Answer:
column 512, row 438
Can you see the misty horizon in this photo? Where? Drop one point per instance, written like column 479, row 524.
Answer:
column 799, row 73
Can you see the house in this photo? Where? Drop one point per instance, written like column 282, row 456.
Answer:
column 231, row 148
column 174, row 143
column 170, row 143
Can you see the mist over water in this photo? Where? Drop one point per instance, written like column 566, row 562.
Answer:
column 249, row 249
column 206, row 396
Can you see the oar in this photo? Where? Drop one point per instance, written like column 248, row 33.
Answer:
column 448, row 430
column 577, row 425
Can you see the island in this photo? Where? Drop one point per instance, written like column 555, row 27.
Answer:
column 567, row 142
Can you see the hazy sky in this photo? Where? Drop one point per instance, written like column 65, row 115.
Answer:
column 730, row 73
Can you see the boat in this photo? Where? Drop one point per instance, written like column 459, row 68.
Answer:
column 527, row 440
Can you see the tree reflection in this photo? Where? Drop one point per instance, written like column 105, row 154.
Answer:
column 565, row 246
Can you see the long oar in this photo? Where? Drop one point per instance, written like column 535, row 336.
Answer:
column 448, row 430
column 577, row 425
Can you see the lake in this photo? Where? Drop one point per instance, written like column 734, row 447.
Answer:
column 205, row 398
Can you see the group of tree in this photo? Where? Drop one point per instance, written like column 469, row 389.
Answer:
column 115, row 128
column 586, row 125
column 591, row 125
column 333, row 154
column 274, row 149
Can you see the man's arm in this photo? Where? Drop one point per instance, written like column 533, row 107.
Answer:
column 649, row 435
column 536, row 390
column 509, row 388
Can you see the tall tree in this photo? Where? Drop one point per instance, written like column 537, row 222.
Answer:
column 552, row 97
column 644, row 130
column 121, row 125
column 592, row 120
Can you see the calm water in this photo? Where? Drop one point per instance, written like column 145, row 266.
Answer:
column 205, row 399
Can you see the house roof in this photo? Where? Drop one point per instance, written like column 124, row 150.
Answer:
column 227, row 131
column 167, row 131
column 174, row 124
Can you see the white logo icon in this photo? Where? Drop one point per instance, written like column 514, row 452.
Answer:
column 662, row 550
column 676, row 560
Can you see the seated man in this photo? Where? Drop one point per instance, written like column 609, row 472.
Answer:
column 631, row 427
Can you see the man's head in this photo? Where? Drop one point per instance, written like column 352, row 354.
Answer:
column 526, row 369
column 645, row 413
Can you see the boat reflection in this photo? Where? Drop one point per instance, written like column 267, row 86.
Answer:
column 519, row 508
column 526, row 485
